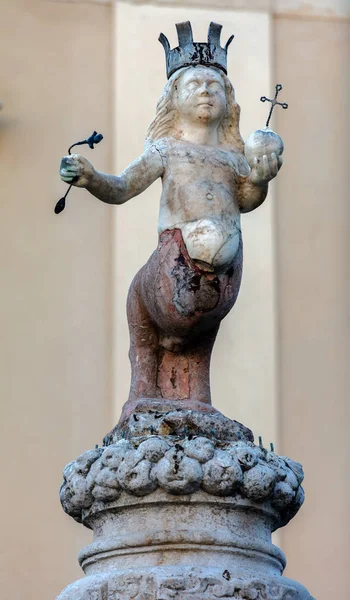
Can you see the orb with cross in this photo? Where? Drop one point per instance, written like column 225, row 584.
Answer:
column 265, row 142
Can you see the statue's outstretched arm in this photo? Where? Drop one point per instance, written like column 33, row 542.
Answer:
column 252, row 190
column 139, row 175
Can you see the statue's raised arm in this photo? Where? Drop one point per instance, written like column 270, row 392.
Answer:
column 138, row 176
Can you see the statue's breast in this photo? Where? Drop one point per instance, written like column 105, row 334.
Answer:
column 200, row 160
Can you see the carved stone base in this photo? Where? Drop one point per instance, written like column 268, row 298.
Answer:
column 183, row 514
column 182, row 583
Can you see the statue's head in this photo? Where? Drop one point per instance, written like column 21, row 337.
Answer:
column 198, row 89
column 198, row 94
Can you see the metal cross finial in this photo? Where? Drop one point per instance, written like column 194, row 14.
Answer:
column 273, row 102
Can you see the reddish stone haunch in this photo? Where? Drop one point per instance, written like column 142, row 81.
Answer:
column 174, row 312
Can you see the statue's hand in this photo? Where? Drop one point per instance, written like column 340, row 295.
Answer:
column 264, row 168
column 263, row 151
column 76, row 170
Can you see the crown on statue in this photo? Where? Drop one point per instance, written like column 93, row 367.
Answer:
column 188, row 52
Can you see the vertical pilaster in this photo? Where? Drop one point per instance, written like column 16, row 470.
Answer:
column 313, row 216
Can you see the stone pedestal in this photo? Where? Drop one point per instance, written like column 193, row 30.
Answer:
column 182, row 505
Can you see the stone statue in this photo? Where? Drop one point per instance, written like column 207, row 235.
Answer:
column 181, row 501
column 191, row 281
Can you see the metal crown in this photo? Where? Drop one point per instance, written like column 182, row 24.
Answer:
column 189, row 53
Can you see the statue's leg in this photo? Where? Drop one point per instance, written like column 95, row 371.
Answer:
column 183, row 374
column 174, row 313
column 164, row 365
column 143, row 345
column 183, row 305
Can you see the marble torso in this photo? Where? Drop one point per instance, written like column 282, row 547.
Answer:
column 199, row 197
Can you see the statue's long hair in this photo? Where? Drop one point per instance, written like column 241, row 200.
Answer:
column 163, row 124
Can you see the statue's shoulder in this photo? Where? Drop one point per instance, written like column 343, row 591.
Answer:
column 160, row 147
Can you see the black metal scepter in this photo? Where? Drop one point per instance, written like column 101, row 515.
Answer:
column 95, row 138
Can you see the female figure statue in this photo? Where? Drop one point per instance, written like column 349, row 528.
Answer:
column 178, row 299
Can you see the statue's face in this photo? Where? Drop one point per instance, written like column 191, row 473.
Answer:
column 201, row 95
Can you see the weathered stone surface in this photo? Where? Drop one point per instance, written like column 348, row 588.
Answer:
column 174, row 312
column 182, row 584
column 222, row 475
column 177, row 419
column 176, row 487
column 176, row 473
column 181, row 464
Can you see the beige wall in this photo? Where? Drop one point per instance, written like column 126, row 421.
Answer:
column 280, row 364
column 313, row 249
column 55, row 283
column 331, row 9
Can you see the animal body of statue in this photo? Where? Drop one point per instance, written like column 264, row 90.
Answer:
column 178, row 299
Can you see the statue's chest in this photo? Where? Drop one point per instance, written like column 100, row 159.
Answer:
column 198, row 159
